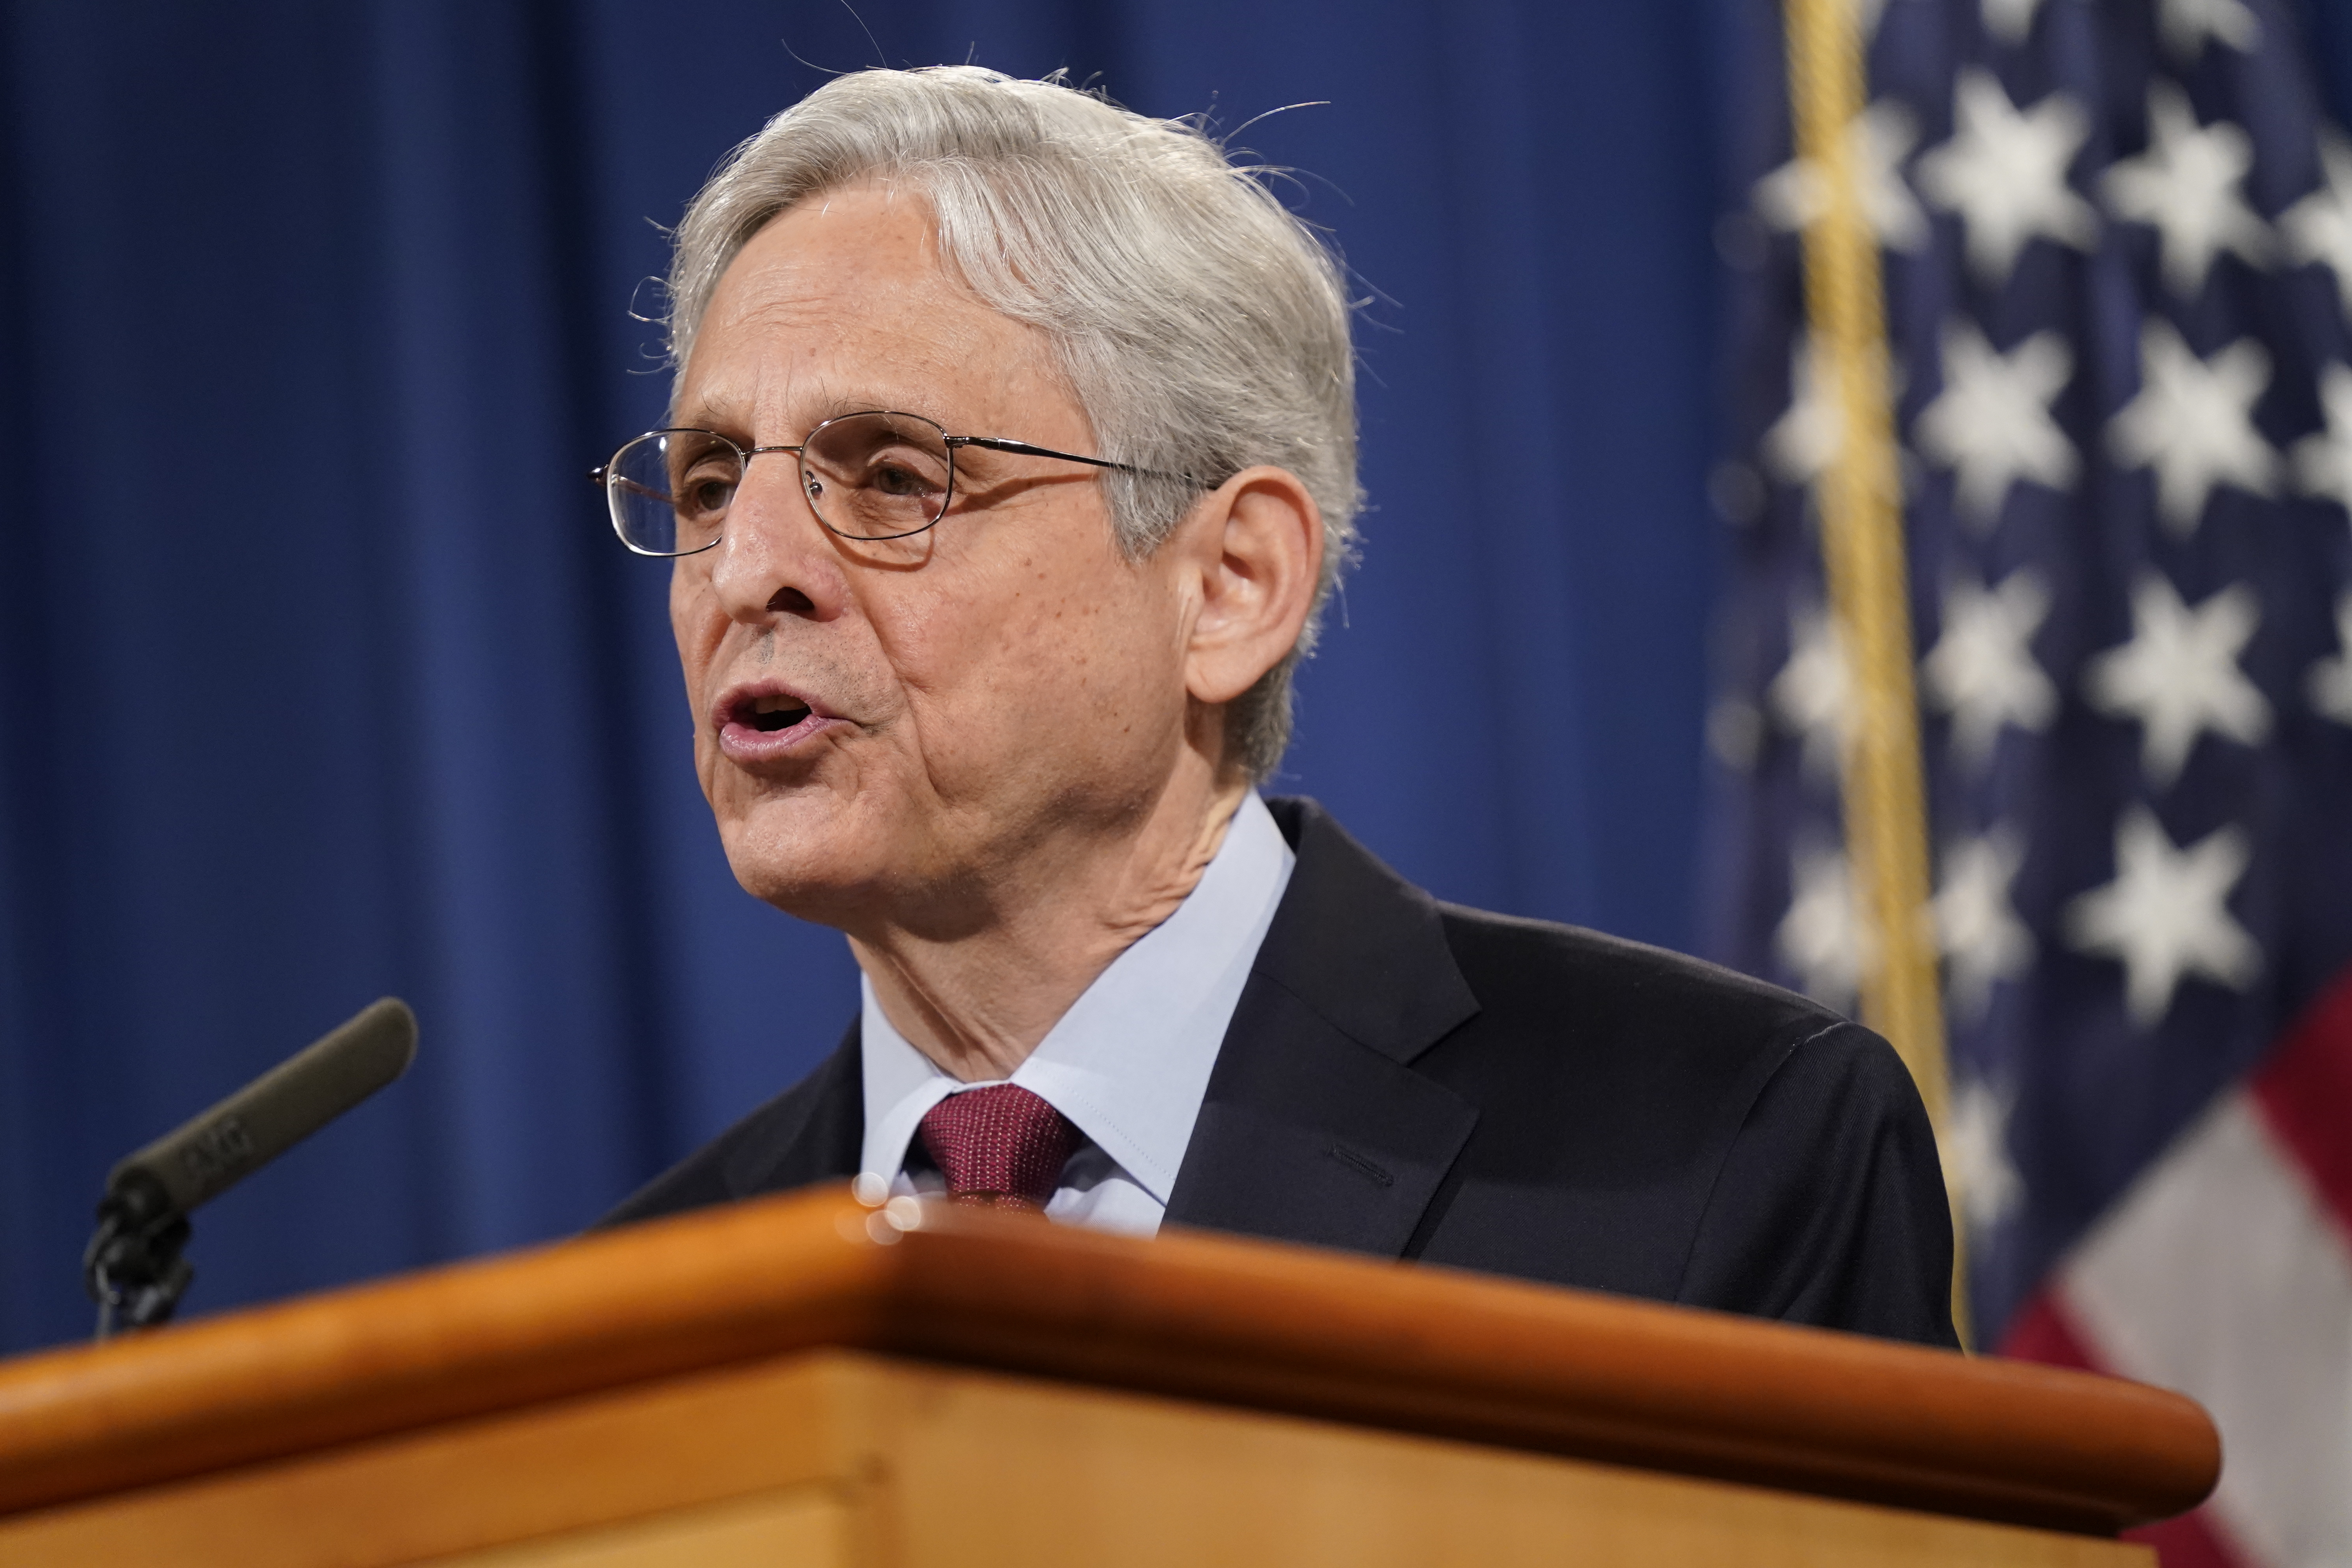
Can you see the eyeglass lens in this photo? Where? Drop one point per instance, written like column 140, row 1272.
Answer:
column 867, row 476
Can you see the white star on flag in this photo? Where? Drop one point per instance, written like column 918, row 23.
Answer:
column 1981, row 670
column 2178, row 676
column 1976, row 928
column 1976, row 1155
column 1813, row 694
column 2194, row 421
column 1866, row 15
column 2005, row 173
column 2319, row 227
column 2187, row 24
column 2186, row 187
column 1808, row 437
column 1991, row 422
column 1878, row 139
column 2010, row 21
column 2328, row 682
column 1805, row 440
column 1821, row 939
column 2322, row 461
column 2163, row 917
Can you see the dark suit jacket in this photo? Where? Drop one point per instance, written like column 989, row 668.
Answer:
column 1414, row 1079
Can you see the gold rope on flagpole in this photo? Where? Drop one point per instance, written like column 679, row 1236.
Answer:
column 1861, row 505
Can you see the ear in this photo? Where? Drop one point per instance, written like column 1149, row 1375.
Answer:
column 1257, row 544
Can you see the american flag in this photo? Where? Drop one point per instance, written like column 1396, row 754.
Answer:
column 2116, row 243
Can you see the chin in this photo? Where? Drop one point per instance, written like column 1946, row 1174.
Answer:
column 807, row 857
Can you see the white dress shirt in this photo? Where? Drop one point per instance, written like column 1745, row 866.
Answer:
column 1129, row 1062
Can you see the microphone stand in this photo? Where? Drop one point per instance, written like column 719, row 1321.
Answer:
column 132, row 1267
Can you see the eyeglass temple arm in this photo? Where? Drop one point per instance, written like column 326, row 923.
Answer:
column 603, row 477
column 998, row 444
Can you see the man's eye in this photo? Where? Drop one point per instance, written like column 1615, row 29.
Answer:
column 706, row 492
column 900, row 479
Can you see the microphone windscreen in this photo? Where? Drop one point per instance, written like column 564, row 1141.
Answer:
column 211, row 1153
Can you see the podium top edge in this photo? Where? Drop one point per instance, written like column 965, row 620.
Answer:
column 1190, row 1315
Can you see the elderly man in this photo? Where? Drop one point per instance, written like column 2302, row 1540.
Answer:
column 1011, row 458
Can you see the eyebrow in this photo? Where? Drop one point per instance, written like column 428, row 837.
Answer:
column 718, row 413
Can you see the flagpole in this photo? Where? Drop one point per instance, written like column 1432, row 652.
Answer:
column 1860, row 500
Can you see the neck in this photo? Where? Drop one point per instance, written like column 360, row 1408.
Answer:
column 977, row 1004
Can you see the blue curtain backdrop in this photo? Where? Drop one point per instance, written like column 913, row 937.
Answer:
column 320, row 676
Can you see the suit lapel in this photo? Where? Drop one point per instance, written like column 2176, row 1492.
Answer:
column 815, row 1133
column 1315, row 1127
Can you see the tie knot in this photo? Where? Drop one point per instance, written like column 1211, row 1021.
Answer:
column 1001, row 1147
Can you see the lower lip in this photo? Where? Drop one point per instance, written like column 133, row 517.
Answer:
column 742, row 743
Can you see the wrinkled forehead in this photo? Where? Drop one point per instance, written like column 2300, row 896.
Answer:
column 843, row 302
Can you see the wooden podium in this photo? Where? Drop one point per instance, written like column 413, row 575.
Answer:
column 805, row 1380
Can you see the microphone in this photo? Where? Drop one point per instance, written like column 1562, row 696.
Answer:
column 132, row 1266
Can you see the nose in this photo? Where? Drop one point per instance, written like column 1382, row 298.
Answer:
column 773, row 556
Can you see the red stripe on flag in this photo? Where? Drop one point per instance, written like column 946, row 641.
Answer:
column 2305, row 1091
column 2192, row 1541
column 2042, row 1331
column 2045, row 1332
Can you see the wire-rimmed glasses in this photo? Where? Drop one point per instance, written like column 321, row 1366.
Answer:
column 875, row 475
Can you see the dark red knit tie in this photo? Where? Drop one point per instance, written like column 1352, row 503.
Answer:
column 1000, row 1147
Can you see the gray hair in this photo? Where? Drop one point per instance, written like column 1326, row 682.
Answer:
column 1202, row 326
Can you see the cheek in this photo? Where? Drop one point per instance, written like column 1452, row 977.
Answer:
column 683, row 620
column 1086, row 655
column 696, row 622
column 697, row 631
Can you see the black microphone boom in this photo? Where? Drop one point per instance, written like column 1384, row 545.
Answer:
column 133, row 1264
column 209, row 1153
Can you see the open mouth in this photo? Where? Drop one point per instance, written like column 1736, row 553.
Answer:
column 772, row 713
column 761, row 724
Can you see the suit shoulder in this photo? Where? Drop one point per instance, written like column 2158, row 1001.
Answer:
column 1531, row 971
column 1623, row 1053
column 1657, row 1125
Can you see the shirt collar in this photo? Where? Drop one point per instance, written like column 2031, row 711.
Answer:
column 1129, row 1062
